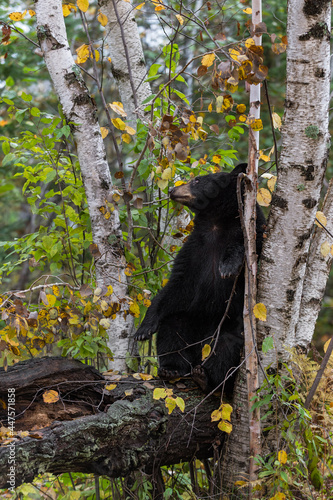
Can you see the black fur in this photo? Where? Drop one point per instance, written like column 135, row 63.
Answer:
column 187, row 311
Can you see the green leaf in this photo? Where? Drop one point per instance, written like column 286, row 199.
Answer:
column 9, row 158
column 35, row 111
column 9, row 82
column 267, row 344
column 154, row 69
column 5, row 148
column 181, row 95
column 150, row 98
column 26, row 97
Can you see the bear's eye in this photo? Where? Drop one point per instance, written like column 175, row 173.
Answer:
column 196, row 180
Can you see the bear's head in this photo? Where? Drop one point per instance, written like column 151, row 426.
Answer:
column 210, row 191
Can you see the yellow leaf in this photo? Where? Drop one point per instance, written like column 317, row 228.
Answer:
column 51, row 299
column 210, row 107
column 139, row 7
column 282, row 457
column 162, row 183
column 241, row 108
column 225, row 426
column 118, row 123
column 263, row 157
column 216, row 158
column 326, row 346
column 180, row 19
column 164, row 282
column 277, row 122
column 145, row 376
column 248, row 10
column 159, row 393
column 219, row 104
column 242, row 118
column 170, row 403
column 271, row 183
column 82, row 53
column 83, row 5
column 67, row 8
column 130, row 130
column 110, row 387
column 104, row 132
column 257, row 125
column 216, row 415
column 179, row 183
column 278, row 496
column 118, row 108
column 240, row 483
column 206, row 350
column 126, row 138
column 158, row 5
column 180, row 403
column 96, row 53
column 234, row 54
column 260, row 311
column 322, row 219
column 134, row 309
column 249, row 42
column 102, row 19
column 105, row 323
column 56, row 290
column 50, row 396
column 32, row 12
column 264, row 197
column 17, row 16
column 325, row 249
column 208, row 60
column 146, row 302
column 226, row 411
column 167, row 174
column 129, row 392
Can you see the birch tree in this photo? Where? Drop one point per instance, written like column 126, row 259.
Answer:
column 300, row 173
column 80, row 111
column 127, row 58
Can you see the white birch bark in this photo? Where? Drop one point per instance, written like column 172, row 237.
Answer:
column 127, row 58
column 317, row 270
column 129, row 71
column 79, row 108
column 300, row 173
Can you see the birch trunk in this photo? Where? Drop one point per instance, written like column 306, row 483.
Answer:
column 127, row 58
column 80, row 109
column 317, row 270
column 300, row 172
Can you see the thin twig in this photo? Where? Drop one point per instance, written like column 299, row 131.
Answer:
column 272, row 125
column 319, row 374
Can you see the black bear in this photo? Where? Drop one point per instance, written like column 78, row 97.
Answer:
column 187, row 312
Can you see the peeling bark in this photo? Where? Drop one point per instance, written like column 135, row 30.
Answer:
column 300, row 173
column 80, row 111
column 91, row 430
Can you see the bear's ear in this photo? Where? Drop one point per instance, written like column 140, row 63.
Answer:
column 241, row 168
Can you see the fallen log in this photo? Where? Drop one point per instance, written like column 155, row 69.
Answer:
column 91, row 429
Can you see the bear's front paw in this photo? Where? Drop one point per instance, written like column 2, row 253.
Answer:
column 143, row 334
column 166, row 374
column 230, row 270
